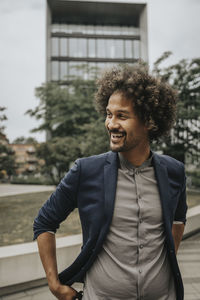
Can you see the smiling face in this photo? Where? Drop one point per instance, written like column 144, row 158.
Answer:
column 126, row 131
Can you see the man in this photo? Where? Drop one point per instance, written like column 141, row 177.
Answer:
column 131, row 201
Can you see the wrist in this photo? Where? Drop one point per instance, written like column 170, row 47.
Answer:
column 54, row 285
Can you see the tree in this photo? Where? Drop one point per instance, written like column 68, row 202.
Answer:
column 185, row 78
column 7, row 159
column 74, row 127
column 2, row 118
column 23, row 140
column 63, row 110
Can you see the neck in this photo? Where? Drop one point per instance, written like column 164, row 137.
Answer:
column 137, row 156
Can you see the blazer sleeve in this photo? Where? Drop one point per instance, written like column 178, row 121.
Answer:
column 60, row 204
column 181, row 210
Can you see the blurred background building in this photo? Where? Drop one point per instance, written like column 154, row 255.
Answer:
column 25, row 158
column 97, row 34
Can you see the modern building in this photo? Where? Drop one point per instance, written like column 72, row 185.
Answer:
column 84, row 35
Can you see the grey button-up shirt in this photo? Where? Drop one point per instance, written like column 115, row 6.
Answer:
column 133, row 263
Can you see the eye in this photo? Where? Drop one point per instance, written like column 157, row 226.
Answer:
column 121, row 116
column 108, row 114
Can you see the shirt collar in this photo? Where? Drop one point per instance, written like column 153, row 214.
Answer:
column 125, row 164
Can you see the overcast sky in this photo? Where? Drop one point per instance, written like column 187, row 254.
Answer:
column 173, row 25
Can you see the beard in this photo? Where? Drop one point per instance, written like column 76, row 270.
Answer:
column 121, row 144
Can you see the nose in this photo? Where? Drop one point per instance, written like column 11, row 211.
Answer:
column 112, row 123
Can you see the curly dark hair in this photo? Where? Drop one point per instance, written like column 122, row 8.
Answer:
column 154, row 101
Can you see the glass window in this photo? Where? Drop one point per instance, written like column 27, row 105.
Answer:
column 54, row 46
column 78, row 69
column 82, row 70
column 55, row 70
column 73, row 47
column 63, row 70
column 64, row 28
column 91, row 48
column 90, row 29
column 100, row 67
column 55, row 27
column 63, row 47
column 92, row 70
column 117, row 30
column 136, row 49
column 82, row 47
column 101, row 48
column 110, row 65
column 110, row 48
column 79, row 28
column 119, row 48
column 72, row 28
column 134, row 30
column 110, row 30
column 99, row 29
column 77, row 47
column 125, row 30
column 128, row 49
column 73, row 68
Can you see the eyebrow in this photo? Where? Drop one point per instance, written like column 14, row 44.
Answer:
column 120, row 111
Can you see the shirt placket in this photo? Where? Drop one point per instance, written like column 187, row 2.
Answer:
column 140, row 234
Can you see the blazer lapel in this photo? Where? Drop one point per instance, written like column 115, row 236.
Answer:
column 163, row 186
column 110, row 184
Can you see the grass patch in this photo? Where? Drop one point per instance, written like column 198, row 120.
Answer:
column 193, row 199
column 18, row 212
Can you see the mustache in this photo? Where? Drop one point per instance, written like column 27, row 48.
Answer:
column 116, row 131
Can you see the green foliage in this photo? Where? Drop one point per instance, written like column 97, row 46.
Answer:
column 194, row 178
column 185, row 78
column 63, row 110
column 7, row 161
column 95, row 140
column 23, row 140
column 73, row 126
column 57, row 153
column 2, row 118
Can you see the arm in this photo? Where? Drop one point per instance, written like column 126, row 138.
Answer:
column 59, row 205
column 177, row 232
column 47, row 249
column 53, row 212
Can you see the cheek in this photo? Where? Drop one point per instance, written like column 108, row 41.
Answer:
column 106, row 123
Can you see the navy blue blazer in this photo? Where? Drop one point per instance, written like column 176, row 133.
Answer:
column 91, row 186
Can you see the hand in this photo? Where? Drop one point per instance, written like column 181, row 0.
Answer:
column 63, row 292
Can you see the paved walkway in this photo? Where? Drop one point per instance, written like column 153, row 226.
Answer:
column 189, row 262
column 15, row 189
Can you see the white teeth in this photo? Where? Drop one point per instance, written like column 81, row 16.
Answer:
column 117, row 135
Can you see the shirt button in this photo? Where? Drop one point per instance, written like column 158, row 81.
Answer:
column 140, row 271
column 141, row 246
column 141, row 220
